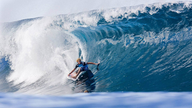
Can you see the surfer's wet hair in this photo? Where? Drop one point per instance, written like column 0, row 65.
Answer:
column 78, row 59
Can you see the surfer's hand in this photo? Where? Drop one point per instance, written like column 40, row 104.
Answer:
column 97, row 63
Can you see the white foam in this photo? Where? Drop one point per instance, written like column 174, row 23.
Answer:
column 37, row 53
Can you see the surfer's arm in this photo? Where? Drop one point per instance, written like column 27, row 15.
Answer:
column 71, row 71
column 93, row 63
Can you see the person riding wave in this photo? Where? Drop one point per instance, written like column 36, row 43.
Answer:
column 83, row 66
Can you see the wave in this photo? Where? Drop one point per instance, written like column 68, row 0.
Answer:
column 141, row 48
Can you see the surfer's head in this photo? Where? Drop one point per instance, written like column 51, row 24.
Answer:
column 79, row 61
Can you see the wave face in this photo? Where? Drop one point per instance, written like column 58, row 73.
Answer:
column 141, row 48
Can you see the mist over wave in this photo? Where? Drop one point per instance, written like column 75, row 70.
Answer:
column 141, row 48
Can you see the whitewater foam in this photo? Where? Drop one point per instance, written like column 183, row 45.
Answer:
column 35, row 51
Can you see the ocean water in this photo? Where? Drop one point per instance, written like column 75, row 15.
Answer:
column 143, row 50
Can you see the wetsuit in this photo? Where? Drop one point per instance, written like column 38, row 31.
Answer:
column 86, row 79
column 83, row 66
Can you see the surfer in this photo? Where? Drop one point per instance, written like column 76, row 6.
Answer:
column 83, row 66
